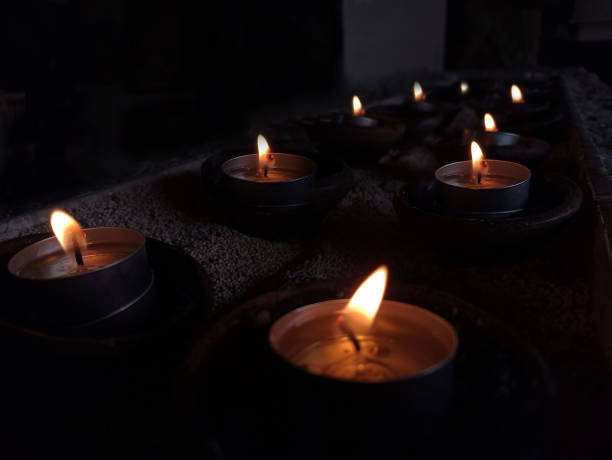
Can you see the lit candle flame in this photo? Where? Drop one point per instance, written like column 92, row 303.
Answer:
column 68, row 232
column 265, row 157
column 361, row 310
column 478, row 163
column 516, row 94
column 489, row 122
column 357, row 107
column 464, row 87
column 417, row 89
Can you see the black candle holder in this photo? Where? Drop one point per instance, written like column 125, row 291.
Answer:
column 357, row 139
column 181, row 296
column 497, row 145
column 553, row 200
column 108, row 391
column 270, row 418
column 270, row 212
column 116, row 296
column 419, row 118
column 502, row 199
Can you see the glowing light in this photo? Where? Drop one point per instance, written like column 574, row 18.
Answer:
column 67, row 231
column 363, row 306
column 489, row 122
column 417, row 89
column 357, row 107
column 516, row 94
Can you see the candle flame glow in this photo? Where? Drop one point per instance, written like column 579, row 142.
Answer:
column 464, row 87
column 477, row 161
column 357, row 107
column 489, row 122
column 67, row 231
column 417, row 89
column 363, row 306
column 516, row 94
column 266, row 159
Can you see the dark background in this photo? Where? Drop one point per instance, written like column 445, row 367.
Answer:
column 94, row 92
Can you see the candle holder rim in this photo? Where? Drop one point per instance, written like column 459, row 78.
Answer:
column 523, row 168
column 312, row 171
column 337, row 304
column 13, row 260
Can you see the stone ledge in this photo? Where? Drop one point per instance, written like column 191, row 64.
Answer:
column 590, row 103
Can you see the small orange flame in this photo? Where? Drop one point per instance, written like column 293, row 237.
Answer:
column 464, row 87
column 417, row 89
column 363, row 306
column 67, row 231
column 477, row 161
column 263, row 149
column 489, row 122
column 357, row 107
column 516, row 94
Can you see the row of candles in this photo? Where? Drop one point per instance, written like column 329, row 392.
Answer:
column 364, row 339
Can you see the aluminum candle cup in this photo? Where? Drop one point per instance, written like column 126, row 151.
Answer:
column 405, row 365
column 113, row 287
column 289, row 181
column 504, row 188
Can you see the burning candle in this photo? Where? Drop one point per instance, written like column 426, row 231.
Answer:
column 489, row 123
column 481, row 186
column 366, row 338
column 417, row 91
column 80, row 277
column 268, row 167
column 516, row 95
column 464, row 87
column 357, row 106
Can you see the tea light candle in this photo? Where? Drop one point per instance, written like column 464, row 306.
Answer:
column 268, row 167
column 366, row 338
column 269, row 178
column 80, row 277
column 483, row 186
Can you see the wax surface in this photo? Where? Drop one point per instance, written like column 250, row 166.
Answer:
column 274, row 174
column 487, row 181
column 380, row 359
column 60, row 264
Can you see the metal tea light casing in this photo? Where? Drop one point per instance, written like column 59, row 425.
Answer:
column 459, row 199
column 406, row 407
column 107, row 300
column 292, row 191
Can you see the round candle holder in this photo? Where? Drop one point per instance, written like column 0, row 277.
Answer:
column 182, row 299
column 271, row 216
column 458, row 196
column 553, row 200
column 420, row 118
column 115, row 281
column 284, row 412
column 527, row 151
column 361, row 139
column 288, row 182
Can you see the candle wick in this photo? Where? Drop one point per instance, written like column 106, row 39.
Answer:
column 265, row 171
column 77, row 251
column 349, row 332
column 479, row 177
